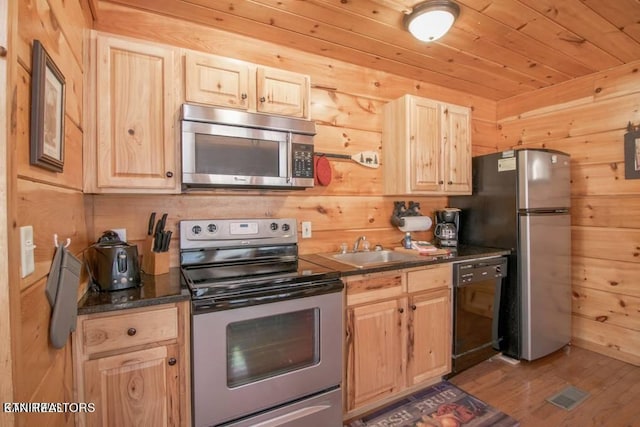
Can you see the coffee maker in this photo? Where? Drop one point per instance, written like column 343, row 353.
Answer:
column 447, row 227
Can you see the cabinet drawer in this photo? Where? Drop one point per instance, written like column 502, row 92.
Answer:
column 373, row 287
column 432, row 277
column 129, row 330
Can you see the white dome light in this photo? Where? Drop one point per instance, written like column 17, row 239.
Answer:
column 432, row 19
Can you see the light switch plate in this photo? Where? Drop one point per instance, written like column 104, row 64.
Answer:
column 27, row 248
column 306, row 229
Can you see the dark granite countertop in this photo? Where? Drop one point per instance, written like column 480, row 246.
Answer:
column 166, row 288
column 461, row 253
column 155, row 290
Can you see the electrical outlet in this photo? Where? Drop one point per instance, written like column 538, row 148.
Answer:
column 27, row 257
column 306, row 229
column 122, row 233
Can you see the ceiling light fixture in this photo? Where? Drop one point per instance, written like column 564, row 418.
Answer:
column 432, row 19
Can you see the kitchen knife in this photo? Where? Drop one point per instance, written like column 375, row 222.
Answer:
column 164, row 241
column 156, row 237
column 159, row 233
column 152, row 221
column 157, row 229
column 167, row 241
column 157, row 244
column 163, row 222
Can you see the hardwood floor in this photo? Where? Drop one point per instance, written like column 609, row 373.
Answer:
column 520, row 390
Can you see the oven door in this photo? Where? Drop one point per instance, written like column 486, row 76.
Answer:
column 253, row 358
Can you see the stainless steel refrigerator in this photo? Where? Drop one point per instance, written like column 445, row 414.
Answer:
column 521, row 201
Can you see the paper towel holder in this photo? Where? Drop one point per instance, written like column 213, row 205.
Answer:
column 409, row 219
column 415, row 223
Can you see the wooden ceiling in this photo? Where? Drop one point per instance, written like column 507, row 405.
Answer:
column 496, row 48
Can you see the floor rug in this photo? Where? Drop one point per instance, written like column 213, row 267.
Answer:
column 441, row 405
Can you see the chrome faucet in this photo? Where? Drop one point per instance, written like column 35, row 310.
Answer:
column 356, row 245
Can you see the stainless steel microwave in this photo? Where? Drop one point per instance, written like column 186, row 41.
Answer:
column 238, row 149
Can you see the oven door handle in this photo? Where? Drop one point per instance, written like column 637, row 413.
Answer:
column 204, row 305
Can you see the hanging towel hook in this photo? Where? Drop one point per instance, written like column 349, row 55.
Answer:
column 55, row 241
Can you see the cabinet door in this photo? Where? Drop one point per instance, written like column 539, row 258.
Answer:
column 456, row 127
column 375, row 357
column 139, row 388
column 217, row 81
column 135, row 115
column 282, row 92
column 425, row 146
column 429, row 338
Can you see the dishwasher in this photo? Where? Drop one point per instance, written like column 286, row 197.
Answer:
column 476, row 306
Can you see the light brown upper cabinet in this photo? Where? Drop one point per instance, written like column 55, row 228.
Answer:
column 133, row 99
column 426, row 147
column 231, row 83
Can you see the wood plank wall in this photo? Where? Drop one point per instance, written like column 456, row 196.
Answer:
column 8, row 24
column 587, row 118
column 346, row 106
column 53, row 203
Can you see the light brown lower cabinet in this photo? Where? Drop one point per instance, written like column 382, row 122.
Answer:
column 375, row 351
column 429, row 339
column 133, row 365
column 398, row 334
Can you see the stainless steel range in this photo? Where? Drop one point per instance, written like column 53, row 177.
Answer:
column 266, row 326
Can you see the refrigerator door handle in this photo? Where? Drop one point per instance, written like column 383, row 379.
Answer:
column 540, row 212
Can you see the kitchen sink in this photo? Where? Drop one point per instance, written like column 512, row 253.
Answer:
column 371, row 258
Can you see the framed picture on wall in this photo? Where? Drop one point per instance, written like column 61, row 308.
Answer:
column 632, row 152
column 47, row 111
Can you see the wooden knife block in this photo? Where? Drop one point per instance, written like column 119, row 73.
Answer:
column 154, row 263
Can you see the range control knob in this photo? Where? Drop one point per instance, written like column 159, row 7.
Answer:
column 273, row 226
column 212, row 228
column 285, row 227
column 196, row 229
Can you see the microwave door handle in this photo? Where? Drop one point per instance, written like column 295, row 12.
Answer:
column 289, row 159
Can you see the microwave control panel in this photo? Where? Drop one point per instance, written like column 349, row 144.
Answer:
column 302, row 157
